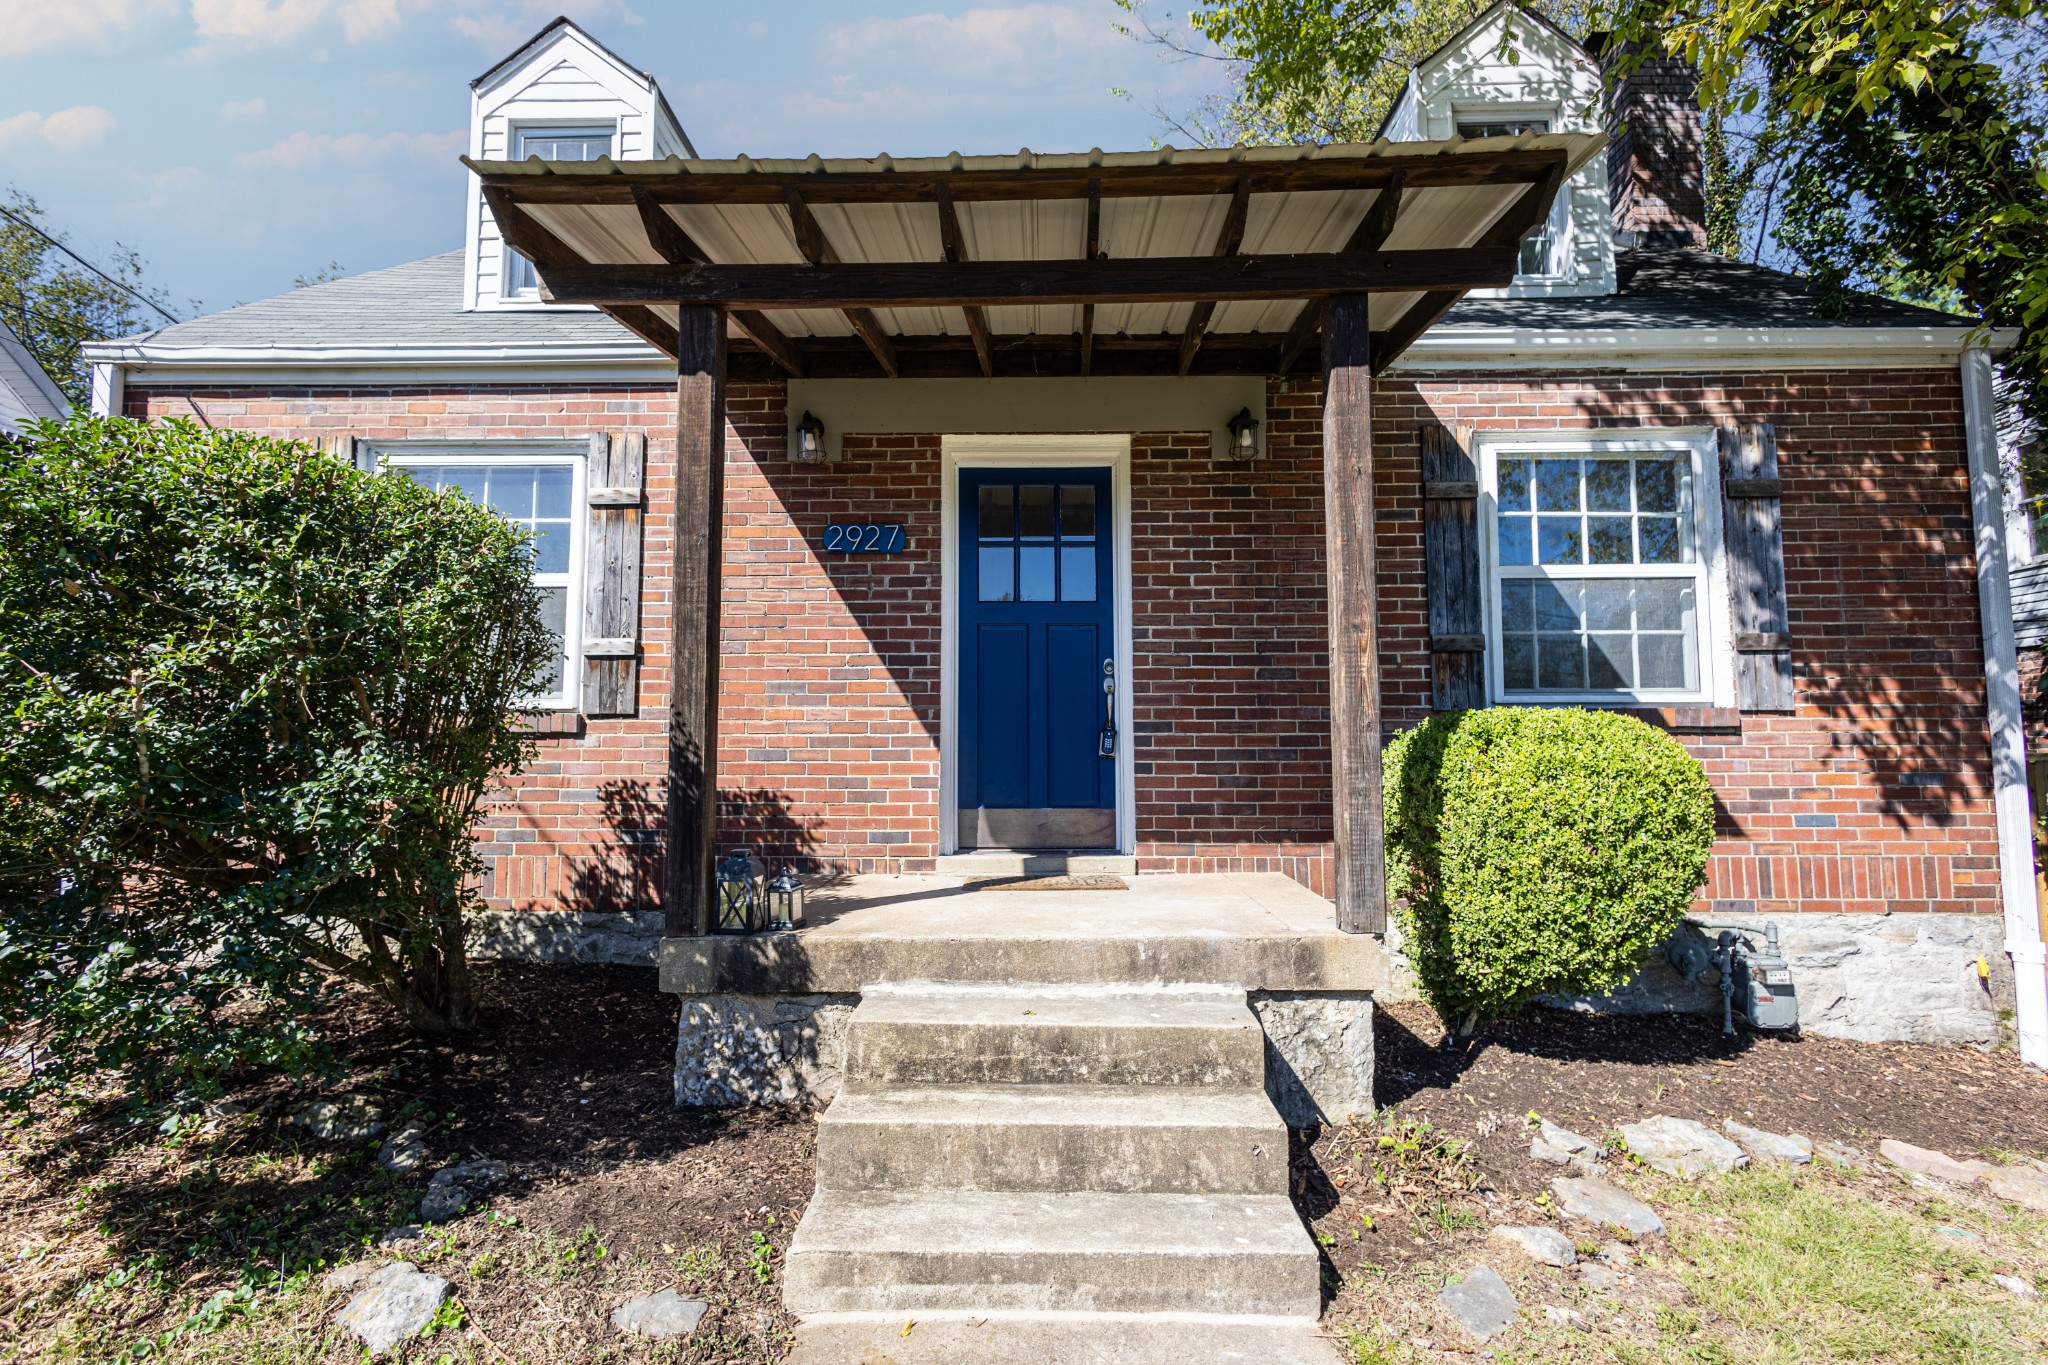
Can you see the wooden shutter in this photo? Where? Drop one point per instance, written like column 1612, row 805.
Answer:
column 611, row 580
column 1450, row 546
column 1754, row 532
column 353, row 449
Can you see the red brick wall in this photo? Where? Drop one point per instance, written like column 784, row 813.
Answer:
column 1872, row 796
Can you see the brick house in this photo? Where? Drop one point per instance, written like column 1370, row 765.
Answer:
column 1658, row 478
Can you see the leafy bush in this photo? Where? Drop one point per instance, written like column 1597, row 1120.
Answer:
column 1539, row 850
column 254, row 697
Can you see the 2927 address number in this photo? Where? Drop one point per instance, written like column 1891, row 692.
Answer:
column 863, row 539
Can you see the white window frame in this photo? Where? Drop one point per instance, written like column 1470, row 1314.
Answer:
column 403, row 454
column 516, row 134
column 1709, row 569
column 1563, row 257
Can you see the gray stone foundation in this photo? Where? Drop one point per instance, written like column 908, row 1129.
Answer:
column 737, row 1050
column 622, row 938
column 1319, row 1054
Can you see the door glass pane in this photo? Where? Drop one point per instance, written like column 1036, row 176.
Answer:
column 1034, row 511
column 996, row 574
column 998, row 521
column 1035, row 574
column 1077, row 511
column 1077, row 573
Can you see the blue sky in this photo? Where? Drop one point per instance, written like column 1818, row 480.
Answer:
column 240, row 143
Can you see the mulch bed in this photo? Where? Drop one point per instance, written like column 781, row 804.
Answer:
column 1593, row 1073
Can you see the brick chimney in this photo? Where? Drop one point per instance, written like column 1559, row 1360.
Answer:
column 1655, row 174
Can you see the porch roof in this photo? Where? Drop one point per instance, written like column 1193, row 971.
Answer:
column 1166, row 261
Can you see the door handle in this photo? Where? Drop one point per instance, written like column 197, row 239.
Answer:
column 1106, row 745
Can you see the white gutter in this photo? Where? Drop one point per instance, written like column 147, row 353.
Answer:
column 1691, row 348
column 2002, row 702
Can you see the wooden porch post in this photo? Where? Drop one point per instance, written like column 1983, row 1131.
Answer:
column 687, row 874
column 1354, row 617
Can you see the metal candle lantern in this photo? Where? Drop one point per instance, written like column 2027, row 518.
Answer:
column 739, row 895
column 1244, row 435
column 786, row 900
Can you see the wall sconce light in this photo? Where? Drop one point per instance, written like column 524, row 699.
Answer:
column 1244, row 436
column 810, row 441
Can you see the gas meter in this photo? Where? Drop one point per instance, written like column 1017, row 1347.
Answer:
column 1757, row 983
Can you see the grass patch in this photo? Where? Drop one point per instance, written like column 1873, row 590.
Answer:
column 1808, row 1268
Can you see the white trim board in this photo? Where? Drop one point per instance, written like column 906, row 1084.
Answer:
column 1038, row 450
column 1698, row 349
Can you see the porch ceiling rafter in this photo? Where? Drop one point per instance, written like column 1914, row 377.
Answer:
column 801, row 255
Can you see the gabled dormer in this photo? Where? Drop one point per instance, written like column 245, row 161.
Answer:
column 1510, row 72
column 563, row 96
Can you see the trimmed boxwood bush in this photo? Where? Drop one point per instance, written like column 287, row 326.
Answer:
column 1535, row 850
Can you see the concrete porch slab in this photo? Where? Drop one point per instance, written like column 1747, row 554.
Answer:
column 1257, row 931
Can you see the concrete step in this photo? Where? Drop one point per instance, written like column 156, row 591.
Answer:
column 1035, row 863
column 1059, row 1339
column 979, row 1035
column 1138, row 1139
column 895, row 1252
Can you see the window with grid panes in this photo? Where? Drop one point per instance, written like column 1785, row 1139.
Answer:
column 1539, row 248
column 538, row 493
column 1598, row 575
column 550, row 144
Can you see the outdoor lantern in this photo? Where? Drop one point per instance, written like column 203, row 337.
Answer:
column 1244, row 435
column 810, row 441
column 786, row 900
column 739, row 895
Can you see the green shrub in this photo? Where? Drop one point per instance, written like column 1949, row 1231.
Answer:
column 253, row 697
column 1539, row 850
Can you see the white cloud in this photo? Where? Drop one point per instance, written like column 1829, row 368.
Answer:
column 251, row 108
column 500, row 28
column 68, row 130
column 32, row 25
column 1014, row 44
column 258, row 23
column 309, row 151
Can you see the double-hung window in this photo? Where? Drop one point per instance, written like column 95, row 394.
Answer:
column 550, row 144
column 540, row 492
column 1598, row 553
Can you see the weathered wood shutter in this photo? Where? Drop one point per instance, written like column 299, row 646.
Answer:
column 1450, row 547
column 611, row 580
column 354, row 449
column 1753, row 529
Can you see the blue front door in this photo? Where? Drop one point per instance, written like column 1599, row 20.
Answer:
column 1037, row 750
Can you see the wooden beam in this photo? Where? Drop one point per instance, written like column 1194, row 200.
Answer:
column 912, row 284
column 1378, row 224
column 1354, row 616
column 1424, row 170
column 1307, row 323
column 688, row 870
column 953, row 357
column 955, row 249
column 771, row 339
column 1227, row 243
column 817, row 248
column 524, row 234
column 646, row 324
column 1522, row 217
column 1093, row 252
column 670, row 239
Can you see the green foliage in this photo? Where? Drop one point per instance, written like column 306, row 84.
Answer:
column 253, row 699
column 55, row 306
column 1539, row 850
column 1321, row 70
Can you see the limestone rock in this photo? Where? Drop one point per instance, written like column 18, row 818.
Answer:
column 1840, row 1153
column 393, row 1305
column 444, row 1203
column 1539, row 1150
column 1598, row 1276
column 1785, row 1149
column 1564, row 1139
column 660, row 1316
column 405, row 1151
column 2023, row 1185
column 346, row 1277
column 1614, row 1253
column 1600, row 1201
column 736, row 1050
column 1919, row 1159
column 1547, row 1245
column 1682, row 1147
column 1560, row 1317
column 2013, row 1284
column 351, row 1119
column 472, row 1175
column 1319, row 1054
column 1481, row 1302
column 398, row 1236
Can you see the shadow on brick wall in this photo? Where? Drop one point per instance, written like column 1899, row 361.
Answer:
column 624, row 872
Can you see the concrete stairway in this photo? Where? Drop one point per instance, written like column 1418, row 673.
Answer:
column 1053, row 1173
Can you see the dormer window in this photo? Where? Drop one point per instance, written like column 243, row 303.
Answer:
column 1540, row 255
column 585, row 143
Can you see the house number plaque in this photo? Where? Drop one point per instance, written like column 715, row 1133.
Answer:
column 863, row 539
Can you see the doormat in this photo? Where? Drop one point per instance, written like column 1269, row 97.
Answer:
column 1100, row 881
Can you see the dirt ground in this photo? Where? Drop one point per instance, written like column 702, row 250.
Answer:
column 116, row 1244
